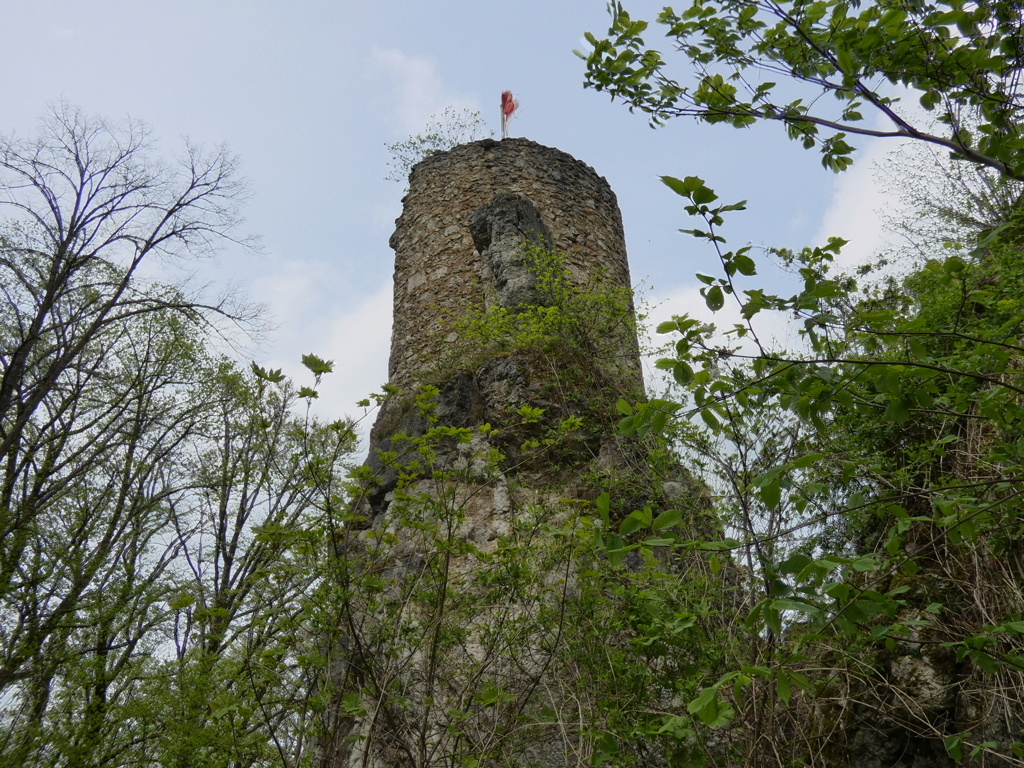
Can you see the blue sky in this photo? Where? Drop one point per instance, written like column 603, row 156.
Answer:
column 307, row 94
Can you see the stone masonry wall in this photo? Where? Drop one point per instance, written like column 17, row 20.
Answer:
column 438, row 270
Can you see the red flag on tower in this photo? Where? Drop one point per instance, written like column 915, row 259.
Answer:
column 508, row 106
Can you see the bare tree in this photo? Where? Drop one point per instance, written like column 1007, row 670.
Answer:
column 100, row 374
column 93, row 205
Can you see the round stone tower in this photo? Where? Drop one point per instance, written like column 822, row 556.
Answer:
column 448, row 258
column 514, row 336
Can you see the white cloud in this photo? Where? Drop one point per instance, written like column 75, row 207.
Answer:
column 858, row 207
column 419, row 90
column 292, row 286
column 867, row 197
column 312, row 320
column 359, row 342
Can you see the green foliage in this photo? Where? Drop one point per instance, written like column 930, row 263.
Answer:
column 161, row 509
column 442, row 133
column 486, row 615
column 959, row 59
column 589, row 329
column 545, row 624
column 466, row 612
column 871, row 473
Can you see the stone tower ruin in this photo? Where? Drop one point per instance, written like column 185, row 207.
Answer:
column 513, row 338
column 457, row 242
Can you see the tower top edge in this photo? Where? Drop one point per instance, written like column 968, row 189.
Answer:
column 499, row 150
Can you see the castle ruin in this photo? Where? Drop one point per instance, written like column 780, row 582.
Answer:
column 490, row 431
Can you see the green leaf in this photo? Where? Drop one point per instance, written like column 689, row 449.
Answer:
column 785, row 691
column 744, row 264
column 706, row 696
column 660, row 541
column 682, row 373
column 845, row 60
column 603, row 504
column 710, row 712
column 952, row 744
column 983, row 746
column 668, row 519
column 954, row 265
column 317, row 365
column 808, row 460
column 352, row 705
column 632, row 523
column 795, row 564
column 984, row 662
column 686, row 187
column 898, row 411
column 658, row 422
column 771, row 494
column 223, row 704
column 274, row 376
column 492, row 694
column 714, row 298
column 716, row 714
column 773, row 620
column 617, row 550
column 710, row 419
column 183, row 600
column 703, row 195
column 929, row 99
